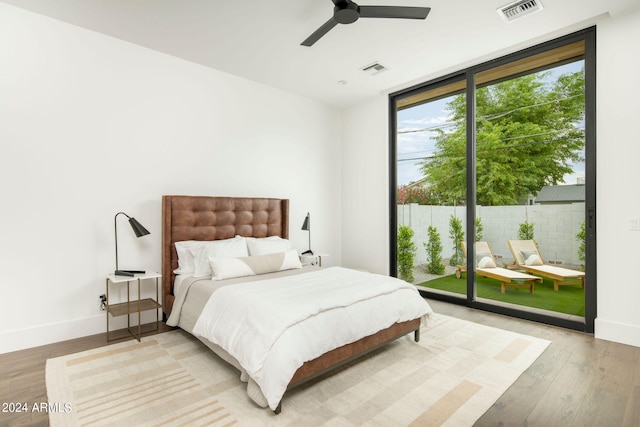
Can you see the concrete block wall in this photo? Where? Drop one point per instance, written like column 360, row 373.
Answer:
column 555, row 228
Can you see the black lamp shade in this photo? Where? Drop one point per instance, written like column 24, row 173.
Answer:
column 138, row 228
column 306, row 225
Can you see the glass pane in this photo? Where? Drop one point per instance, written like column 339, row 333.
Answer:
column 530, row 194
column 431, row 177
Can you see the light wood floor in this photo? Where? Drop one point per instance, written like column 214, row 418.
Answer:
column 577, row 381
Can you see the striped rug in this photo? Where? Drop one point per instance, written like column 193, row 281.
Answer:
column 450, row 378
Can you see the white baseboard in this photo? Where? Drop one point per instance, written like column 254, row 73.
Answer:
column 62, row 331
column 50, row 333
column 618, row 332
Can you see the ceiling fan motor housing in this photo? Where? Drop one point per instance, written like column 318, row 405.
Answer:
column 347, row 13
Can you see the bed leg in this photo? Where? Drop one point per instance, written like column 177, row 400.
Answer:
column 278, row 409
column 416, row 335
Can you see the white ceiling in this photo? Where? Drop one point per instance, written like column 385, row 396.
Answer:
column 260, row 39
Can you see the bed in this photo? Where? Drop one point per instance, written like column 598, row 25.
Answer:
column 228, row 220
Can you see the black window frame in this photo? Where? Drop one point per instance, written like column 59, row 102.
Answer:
column 587, row 35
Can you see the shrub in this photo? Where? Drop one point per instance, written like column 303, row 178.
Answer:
column 525, row 232
column 457, row 235
column 406, row 253
column 414, row 194
column 479, row 229
column 581, row 237
column 434, row 252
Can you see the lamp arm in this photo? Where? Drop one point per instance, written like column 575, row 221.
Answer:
column 115, row 227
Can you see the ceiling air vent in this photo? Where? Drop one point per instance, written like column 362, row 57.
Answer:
column 374, row 68
column 516, row 10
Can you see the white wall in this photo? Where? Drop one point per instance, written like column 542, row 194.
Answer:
column 618, row 109
column 365, row 202
column 91, row 125
column 618, row 176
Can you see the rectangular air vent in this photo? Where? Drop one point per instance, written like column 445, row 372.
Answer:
column 374, row 68
column 516, row 10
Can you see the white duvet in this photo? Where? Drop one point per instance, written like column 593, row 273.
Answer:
column 271, row 327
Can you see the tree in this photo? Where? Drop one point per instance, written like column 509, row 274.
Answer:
column 457, row 235
column 434, row 251
column 526, row 138
column 413, row 193
column 406, row 253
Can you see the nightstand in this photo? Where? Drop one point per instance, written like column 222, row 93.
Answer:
column 315, row 259
column 133, row 306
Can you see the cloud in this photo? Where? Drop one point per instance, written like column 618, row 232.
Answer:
column 426, row 121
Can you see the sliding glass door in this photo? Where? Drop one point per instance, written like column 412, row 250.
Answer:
column 493, row 175
column 431, row 190
column 530, row 180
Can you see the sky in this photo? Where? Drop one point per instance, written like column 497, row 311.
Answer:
column 416, row 145
column 413, row 146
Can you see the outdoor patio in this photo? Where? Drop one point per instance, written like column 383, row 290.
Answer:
column 569, row 300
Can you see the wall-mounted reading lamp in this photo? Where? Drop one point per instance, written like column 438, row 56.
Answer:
column 139, row 230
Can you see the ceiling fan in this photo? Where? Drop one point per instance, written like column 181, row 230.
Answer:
column 348, row 12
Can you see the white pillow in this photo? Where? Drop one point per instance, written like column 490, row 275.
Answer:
column 486, row 262
column 186, row 262
column 227, row 268
column 526, row 254
column 533, row 259
column 268, row 245
column 228, row 248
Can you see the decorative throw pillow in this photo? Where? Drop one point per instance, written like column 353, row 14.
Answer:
column 486, row 262
column 533, row 259
column 228, row 248
column 527, row 254
column 268, row 245
column 228, row 268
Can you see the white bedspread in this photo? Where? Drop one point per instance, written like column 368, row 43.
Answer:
column 271, row 327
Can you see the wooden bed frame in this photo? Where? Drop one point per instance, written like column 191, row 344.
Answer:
column 216, row 218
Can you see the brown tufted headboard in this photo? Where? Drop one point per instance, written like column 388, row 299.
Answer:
column 215, row 218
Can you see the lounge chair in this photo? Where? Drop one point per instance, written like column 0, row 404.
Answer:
column 528, row 258
column 486, row 267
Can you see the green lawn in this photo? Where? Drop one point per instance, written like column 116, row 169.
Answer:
column 569, row 299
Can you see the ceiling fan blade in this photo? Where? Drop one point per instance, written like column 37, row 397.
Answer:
column 324, row 29
column 402, row 12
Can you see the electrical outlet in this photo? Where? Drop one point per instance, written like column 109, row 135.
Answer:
column 634, row 224
column 103, row 301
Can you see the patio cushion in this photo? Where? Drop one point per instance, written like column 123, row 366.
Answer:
column 531, row 258
column 486, row 262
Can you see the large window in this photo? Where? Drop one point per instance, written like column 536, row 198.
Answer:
column 490, row 165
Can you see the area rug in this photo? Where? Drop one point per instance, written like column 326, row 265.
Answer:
column 450, row 378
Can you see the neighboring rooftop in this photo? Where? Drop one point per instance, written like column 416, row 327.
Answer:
column 560, row 194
